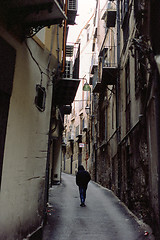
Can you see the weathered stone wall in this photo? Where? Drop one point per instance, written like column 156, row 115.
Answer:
column 126, row 173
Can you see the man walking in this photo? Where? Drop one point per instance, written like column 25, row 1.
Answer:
column 82, row 179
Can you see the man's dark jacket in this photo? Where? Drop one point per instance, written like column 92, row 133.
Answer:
column 82, row 177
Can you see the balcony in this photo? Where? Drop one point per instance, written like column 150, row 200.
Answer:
column 78, row 132
column 109, row 66
column 46, row 16
column 97, row 85
column 109, row 70
column 64, row 142
column 103, row 52
column 94, row 63
column 109, row 74
column 85, row 125
column 65, row 110
column 98, row 88
column 65, row 91
column 34, row 3
column 66, row 87
column 23, row 14
column 70, row 137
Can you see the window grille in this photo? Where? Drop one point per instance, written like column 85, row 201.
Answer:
column 68, row 69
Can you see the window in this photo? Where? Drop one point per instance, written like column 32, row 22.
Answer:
column 77, row 131
column 40, row 98
column 88, row 34
column 125, row 21
column 103, row 122
column 140, row 71
column 88, row 30
column 125, row 28
column 81, row 123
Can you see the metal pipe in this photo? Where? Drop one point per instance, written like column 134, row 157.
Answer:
column 118, row 77
column 64, row 37
column 58, row 45
column 117, row 100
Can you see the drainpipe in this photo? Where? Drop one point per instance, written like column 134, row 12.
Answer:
column 48, row 166
column 49, row 141
column 50, row 125
column 117, row 98
column 58, row 45
column 64, row 38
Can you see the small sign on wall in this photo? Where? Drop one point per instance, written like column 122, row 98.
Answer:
column 81, row 145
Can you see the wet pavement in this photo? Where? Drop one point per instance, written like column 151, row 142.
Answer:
column 105, row 217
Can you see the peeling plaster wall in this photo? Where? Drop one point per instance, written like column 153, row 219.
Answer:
column 24, row 163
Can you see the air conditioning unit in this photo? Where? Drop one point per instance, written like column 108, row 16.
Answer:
column 72, row 5
column 72, row 11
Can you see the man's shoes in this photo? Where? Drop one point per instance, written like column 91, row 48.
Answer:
column 82, row 205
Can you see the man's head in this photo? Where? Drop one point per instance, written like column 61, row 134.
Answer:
column 80, row 168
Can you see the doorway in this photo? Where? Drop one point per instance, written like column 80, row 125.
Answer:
column 7, row 66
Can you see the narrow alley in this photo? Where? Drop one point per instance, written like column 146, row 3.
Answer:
column 103, row 218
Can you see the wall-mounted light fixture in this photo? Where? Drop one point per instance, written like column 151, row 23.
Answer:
column 87, row 109
column 86, row 86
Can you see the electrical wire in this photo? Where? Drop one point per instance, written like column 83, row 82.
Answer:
column 31, row 54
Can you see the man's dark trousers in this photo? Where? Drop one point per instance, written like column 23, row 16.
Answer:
column 82, row 192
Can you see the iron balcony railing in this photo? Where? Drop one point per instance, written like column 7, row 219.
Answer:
column 70, row 136
column 107, row 69
column 109, row 58
column 94, row 63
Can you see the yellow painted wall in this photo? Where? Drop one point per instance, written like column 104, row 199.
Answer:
column 25, row 154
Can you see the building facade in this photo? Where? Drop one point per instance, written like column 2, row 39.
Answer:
column 76, row 132
column 125, row 109
column 32, row 63
column 123, row 122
